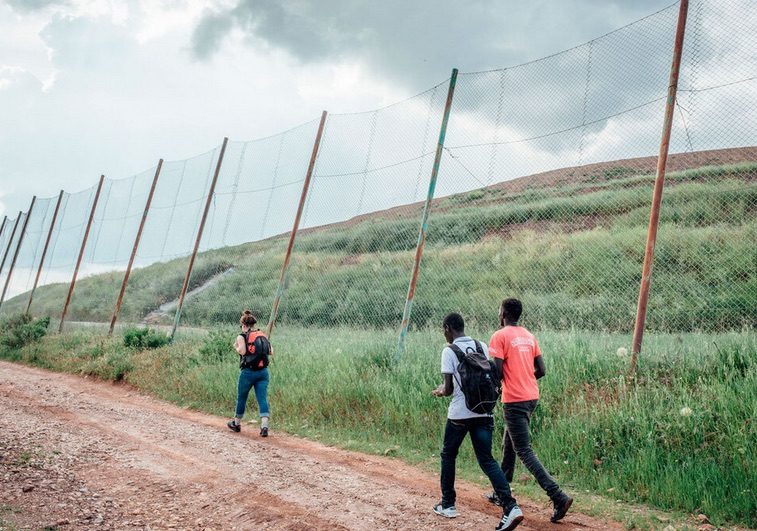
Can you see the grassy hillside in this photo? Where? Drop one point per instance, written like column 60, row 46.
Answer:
column 572, row 251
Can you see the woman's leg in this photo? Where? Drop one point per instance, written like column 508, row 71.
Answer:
column 243, row 391
column 261, row 395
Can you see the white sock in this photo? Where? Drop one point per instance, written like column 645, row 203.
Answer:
column 263, row 422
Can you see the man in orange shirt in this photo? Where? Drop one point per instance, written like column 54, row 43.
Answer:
column 518, row 358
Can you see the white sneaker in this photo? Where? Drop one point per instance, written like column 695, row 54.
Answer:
column 511, row 520
column 449, row 512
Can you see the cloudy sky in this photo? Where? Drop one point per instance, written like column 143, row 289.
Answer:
column 104, row 86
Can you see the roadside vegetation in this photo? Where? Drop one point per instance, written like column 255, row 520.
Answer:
column 679, row 438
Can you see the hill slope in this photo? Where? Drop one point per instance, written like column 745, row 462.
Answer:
column 569, row 241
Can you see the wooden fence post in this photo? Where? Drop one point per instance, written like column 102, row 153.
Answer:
column 81, row 254
column 654, row 217
column 424, row 218
column 199, row 237
column 44, row 251
column 295, row 227
column 17, row 251
column 125, row 281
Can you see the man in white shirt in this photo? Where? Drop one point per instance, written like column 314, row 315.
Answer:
column 460, row 422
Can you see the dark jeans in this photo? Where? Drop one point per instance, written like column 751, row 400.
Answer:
column 481, row 430
column 517, row 441
column 247, row 380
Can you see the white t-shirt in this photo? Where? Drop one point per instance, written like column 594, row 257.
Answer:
column 457, row 409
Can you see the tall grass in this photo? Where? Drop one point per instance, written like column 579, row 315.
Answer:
column 681, row 437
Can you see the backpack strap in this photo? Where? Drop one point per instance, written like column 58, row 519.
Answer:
column 479, row 348
column 457, row 350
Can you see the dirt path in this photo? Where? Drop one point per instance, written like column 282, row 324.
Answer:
column 77, row 453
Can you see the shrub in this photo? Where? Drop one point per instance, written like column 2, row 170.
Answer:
column 216, row 346
column 144, row 338
column 20, row 330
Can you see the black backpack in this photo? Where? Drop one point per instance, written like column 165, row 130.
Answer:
column 258, row 350
column 478, row 379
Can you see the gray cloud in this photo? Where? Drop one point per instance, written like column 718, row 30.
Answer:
column 417, row 43
column 33, row 5
column 208, row 34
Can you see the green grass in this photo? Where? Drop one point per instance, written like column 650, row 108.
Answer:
column 591, row 430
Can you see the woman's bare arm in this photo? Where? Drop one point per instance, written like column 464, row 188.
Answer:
column 240, row 346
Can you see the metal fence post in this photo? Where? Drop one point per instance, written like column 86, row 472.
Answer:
column 211, row 191
column 295, row 227
column 654, row 217
column 120, row 299
column 44, row 251
column 10, row 241
column 18, row 249
column 424, row 218
column 81, row 254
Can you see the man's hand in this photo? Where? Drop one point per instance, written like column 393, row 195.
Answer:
column 439, row 391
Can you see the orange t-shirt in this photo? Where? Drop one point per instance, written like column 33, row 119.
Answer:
column 517, row 347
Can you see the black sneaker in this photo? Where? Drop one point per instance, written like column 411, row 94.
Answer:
column 264, row 432
column 233, row 426
column 562, row 504
column 493, row 498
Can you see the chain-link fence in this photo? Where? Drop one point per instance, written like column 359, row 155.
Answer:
column 11, row 237
column 573, row 141
column 244, row 241
column 25, row 258
column 543, row 193
column 355, row 248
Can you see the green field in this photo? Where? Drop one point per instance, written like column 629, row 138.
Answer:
column 635, row 443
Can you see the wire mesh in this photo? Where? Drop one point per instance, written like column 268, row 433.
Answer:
column 544, row 194
column 65, row 245
column 168, row 238
column 109, row 245
column 251, row 215
column 705, row 267
column 29, row 254
column 571, row 143
column 355, row 248
column 6, row 235
column 11, row 240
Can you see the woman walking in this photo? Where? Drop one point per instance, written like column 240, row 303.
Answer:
column 254, row 350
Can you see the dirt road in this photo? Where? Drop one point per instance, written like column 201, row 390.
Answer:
column 81, row 454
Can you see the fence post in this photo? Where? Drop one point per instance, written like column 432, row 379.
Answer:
column 18, row 249
column 10, row 242
column 424, row 218
column 654, row 216
column 211, row 191
column 120, row 299
column 2, row 227
column 295, row 227
column 44, row 251
column 81, row 254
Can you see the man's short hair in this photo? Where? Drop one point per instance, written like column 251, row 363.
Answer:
column 455, row 322
column 511, row 309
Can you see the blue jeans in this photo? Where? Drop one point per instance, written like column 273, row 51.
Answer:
column 517, row 442
column 480, row 429
column 247, row 380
